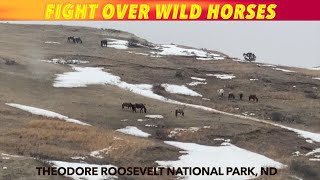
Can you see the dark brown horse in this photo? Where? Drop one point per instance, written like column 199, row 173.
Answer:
column 128, row 105
column 104, row 43
column 71, row 39
column 179, row 111
column 231, row 96
column 241, row 96
column 254, row 98
column 77, row 40
column 140, row 106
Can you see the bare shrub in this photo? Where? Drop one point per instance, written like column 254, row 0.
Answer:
column 10, row 62
column 158, row 89
column 179, row 74
column 276, row 116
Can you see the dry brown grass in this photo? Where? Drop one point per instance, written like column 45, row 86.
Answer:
column 54, row 138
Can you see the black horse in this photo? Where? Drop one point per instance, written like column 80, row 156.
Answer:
column 231, row 96
column 71, row 39
column 77, row 40
column 104, row 43
column 140, row 106
column 254, row 98
column 241, row 96
column 179, row 111
column 128, row 105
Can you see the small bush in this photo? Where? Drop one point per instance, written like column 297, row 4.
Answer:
column 179, row 74
column 303, row 169
column 276, row 116
column 311, row 95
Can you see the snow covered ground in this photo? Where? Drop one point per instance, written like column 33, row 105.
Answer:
column 62, row 61
column 154, row 116
column 284, row 70
column 180, row 89
column 84, row 165
column 175, row 50
column 51, row 42
column 46, row 113
column 117, row 43
column 131, row 130
column 227, row 155
column 89, row 75
column 317, row 78
column 198, row 79
column 222, row 76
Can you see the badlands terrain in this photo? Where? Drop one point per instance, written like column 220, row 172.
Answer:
column 60, row 105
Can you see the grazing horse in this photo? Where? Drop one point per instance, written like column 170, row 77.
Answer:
column 104, row 43
column 71, row 39
column 254, row 98
column 241, row 96
column 231, row 96
column 220, row 92
column 77, row 40
column 179, row 111
column 128, row 105
column 142, row 108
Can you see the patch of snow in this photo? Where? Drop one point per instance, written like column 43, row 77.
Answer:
column 206, row 99
column 151, row 125
column 296, row 177
column 297, row 153
column 205, row 58
column 218, row 58
column 254, row 79
column 84, row 76
column 314, row 159
column 195, row 83
column 206, row 127
column 51, row 42
column 180, row 89
column 178, row 131
column 174, row 50
column 316, row 68
column 154, row 116
column 141, row 120
column 4, row 168
column 46, row 113
column 317, row 78
column 78, row 157
column 84, row 165
column 294, row 86
column 198, row 79
column 9, row 155
column 309, row 141
column 97, row 154
column 284, row 70
column 124, row 120
column 313, row 152
column 117, row 43
column 267, row 65
column 131, row 130
column 195, row 155
column 222, row 76
column 62, row 61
